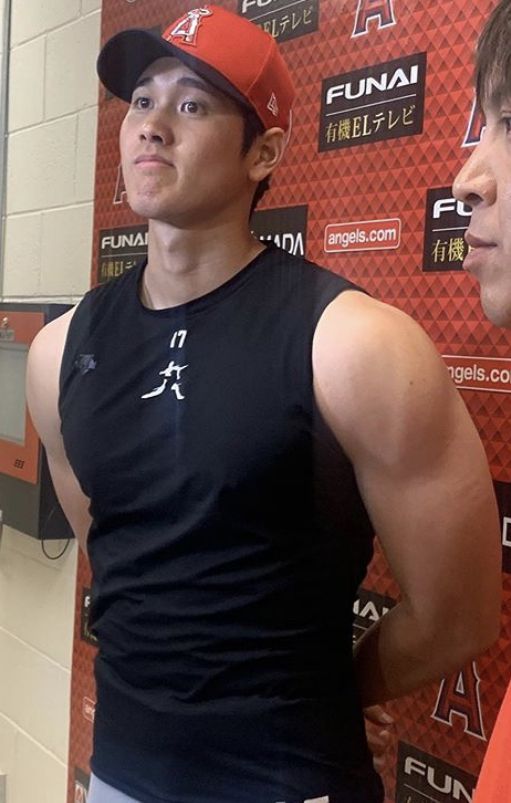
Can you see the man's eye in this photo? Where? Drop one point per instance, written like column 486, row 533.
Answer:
column 191, row 107
column 141, row 102
column 506, row 121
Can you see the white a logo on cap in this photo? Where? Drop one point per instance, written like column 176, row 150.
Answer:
column 188, row 27
column 272, row 105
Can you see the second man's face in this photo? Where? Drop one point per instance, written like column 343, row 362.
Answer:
column 181, row 148
column 484, row 184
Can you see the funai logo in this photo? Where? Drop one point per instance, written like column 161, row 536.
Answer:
column 381, row 101
column 422, row 778
column 445, row 224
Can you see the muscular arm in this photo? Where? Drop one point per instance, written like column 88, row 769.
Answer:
column 43, row 371
column 423, row 475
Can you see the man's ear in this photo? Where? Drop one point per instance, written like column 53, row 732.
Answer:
column 266, row 153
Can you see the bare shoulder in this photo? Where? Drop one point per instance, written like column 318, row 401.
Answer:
column 377, row 373
column 50, row 341
column 353, row 325
column 43, row 376
column 43, row 371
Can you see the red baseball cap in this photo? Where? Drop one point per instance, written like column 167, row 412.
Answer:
column 231, row 53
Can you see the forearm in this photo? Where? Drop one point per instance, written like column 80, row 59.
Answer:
column 400, row 654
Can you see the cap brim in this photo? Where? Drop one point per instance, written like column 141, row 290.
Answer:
column 127, row 54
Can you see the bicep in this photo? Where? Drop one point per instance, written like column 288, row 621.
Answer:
column 435, row 513
column 42, row 397
column 419, row 462
column 74, row 502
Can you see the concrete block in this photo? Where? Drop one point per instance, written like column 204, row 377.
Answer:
column 8, row 744
column 41, row 166
column 90, row 5
column 86, row 154
column 22, row 263
column 37, row 600
column 34, row 694
column 30, row 547
column 37, row 775
column 71, row 83
column 31, row 18
column 66, row 250
column 26, row 84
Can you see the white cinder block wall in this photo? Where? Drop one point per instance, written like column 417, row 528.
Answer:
column 48, row 244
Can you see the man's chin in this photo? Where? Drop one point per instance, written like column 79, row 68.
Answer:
column 151, row 211
column 498, row 310
column 148, row 203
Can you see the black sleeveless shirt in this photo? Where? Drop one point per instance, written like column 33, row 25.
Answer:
column 227, row 544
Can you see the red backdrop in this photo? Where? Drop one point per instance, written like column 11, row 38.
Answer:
column 382, row 122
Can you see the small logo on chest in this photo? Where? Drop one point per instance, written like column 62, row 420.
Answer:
column 85, row 363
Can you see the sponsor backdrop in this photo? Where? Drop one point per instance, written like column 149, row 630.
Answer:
column 383, row 120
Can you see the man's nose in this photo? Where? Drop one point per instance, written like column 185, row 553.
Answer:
column 476, row 183
column 157, row 129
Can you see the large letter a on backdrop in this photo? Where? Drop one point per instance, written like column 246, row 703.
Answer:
column 382, row 10
column 459, row 696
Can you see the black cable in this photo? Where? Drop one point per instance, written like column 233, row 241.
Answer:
column 54, row 557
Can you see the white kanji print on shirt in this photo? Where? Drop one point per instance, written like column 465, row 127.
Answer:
column 173, row 371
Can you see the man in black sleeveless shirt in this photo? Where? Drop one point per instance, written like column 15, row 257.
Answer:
column 226, row 429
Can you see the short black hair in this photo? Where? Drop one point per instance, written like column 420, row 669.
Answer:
column 253, row 128
column 493, row 58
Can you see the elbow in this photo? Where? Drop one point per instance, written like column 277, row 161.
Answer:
column 487, row 634
column 489, row 620
column 460, row 636
column 474, row 636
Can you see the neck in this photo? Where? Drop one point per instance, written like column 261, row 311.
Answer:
column 183, row 265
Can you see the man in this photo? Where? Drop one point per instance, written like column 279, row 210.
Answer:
column 484, row 183
column 226, row 429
